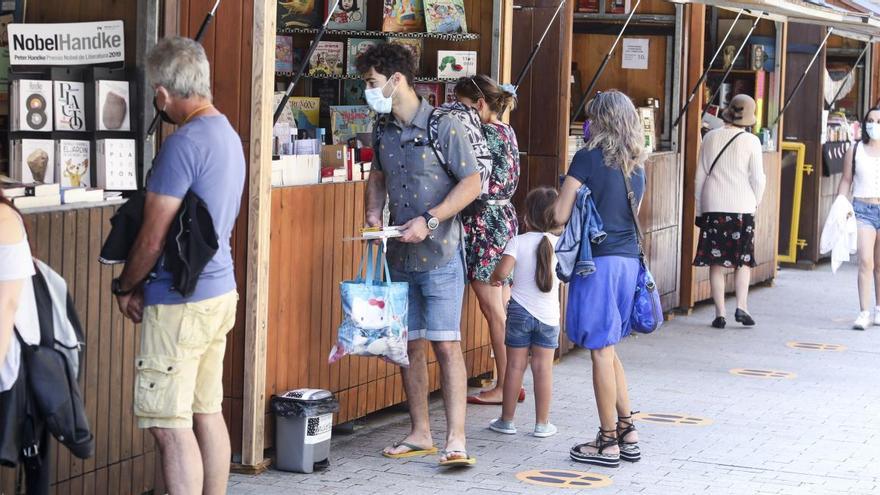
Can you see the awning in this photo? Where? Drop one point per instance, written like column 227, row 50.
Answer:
column 865, row 27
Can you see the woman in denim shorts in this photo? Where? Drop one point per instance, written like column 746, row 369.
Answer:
column 861, row 170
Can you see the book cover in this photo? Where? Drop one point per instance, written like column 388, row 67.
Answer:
column 306, row 111
column 34, row 161
column 403, row 16
column 113, row 100
column 414, row 45
column 348, row 121
column 72, row 163
column 326, row 61
column 327, row 90
column 350, row 15
column 434, row 93
column 620, row 7
column 283, row 53
column 70, row 114
column 116, row 165
column 298, row 14
column 5, row 20
column 287, row 113
column 453, row 64
column 353, row 92
column 357, row 47
column 32, row 105
column 445, row 16
column 450, row 93
column 589, row 6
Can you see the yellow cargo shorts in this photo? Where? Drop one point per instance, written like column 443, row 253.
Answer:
column 180, row 367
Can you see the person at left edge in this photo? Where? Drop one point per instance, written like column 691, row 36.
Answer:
column 425, row 200
column 178, row 386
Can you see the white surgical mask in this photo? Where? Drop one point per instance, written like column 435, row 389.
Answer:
column 378, row 101
column 873, row 130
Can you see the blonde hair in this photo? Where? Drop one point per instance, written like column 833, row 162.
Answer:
column 616, row 129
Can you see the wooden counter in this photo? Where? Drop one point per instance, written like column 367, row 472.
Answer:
column 308, row 260
column 125, row 458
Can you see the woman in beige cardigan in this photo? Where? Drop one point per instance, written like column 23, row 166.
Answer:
column 729, row 185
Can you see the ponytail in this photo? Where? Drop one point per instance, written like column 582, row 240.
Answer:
column 544, row 270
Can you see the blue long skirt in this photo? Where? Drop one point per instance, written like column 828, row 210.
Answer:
column 600, row 304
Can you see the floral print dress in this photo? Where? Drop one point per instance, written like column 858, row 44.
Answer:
column 488, row 227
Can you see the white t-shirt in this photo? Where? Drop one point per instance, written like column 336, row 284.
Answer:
column 17, row 265
column 542, row 305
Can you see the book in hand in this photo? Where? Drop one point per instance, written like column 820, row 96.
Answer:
column 445, row 16
column 326, row 60
column 116, row 167
column 33, row 160
column 453, row 64
column 346, row 122
column 112, row 106
column 44, row 201
column 414, row 45
column 70, row 101
column 403, row 16
column 81, row 195
column 350, row 15
column 31, row 102
column 72, row 163
column 298, row 13
column 356, row 48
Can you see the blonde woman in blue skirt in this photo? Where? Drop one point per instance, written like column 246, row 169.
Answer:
column 600, row 303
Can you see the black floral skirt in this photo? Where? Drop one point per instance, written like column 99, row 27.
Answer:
column 726, row 239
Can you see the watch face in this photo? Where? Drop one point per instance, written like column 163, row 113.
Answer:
column 433, row 223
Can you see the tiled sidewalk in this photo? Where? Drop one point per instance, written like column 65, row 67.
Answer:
column 816, row 432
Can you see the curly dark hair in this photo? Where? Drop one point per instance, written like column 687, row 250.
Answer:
column 388, row 59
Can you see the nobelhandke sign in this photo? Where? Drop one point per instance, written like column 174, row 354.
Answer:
column 82, row 43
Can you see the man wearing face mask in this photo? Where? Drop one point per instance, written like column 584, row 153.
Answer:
column 425, row 199
column 179, row 368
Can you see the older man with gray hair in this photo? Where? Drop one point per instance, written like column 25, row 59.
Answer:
column 179, row 370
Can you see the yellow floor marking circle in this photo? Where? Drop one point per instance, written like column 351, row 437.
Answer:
column 756, row 373
column 815, row 346
column 672, row 419
column 562, row 478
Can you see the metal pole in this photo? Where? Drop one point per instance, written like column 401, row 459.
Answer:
column 851, row 72
column 199, row 35
column 803, row 77
column 293, row 82
column 531, row 60
column 727, row 72
column 601, row 69
column 708, row 68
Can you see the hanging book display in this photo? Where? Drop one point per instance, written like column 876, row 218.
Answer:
column 306, row 111
column 349, row 15
column 445, row 16
column 454, row 64
column 450, row 93
column 72, row 163
column 326, row 60
column 298, row 14
column 414, row 45
column 116, row 165
column 70, row 112
column 434, row 93
column 33, row 160
column 349, row 121
column 283, row 53
column 356, row 48
column 403, row 16
column 353, row 92
column 112, row 98
column 31, row 105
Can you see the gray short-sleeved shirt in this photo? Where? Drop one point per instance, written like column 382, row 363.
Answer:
column 417, row 182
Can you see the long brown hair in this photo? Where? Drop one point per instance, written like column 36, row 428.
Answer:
column 479, row 86
column 540, row 217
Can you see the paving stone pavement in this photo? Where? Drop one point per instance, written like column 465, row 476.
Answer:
column 816, row 433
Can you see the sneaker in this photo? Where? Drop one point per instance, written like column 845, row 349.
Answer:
column 500, row 426
column 863, row 321
column 544, row 430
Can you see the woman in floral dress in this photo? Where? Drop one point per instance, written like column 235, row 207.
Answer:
column 491, row 221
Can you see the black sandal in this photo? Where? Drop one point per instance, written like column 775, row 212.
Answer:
column 598, row 458
column 629, row 451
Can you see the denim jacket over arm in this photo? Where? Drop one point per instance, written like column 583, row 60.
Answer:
column 573, row 256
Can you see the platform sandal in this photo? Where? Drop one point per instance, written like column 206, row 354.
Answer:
column 629, row 451
column 598, row 458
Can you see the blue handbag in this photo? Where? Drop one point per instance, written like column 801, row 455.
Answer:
column 647, row 311
column 374, row 312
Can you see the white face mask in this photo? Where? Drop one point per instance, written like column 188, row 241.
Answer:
column 378, row 101
column 873, row 130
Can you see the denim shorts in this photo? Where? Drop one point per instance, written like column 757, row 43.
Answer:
column 435, row 299
column 524, row 330
column 867, row 214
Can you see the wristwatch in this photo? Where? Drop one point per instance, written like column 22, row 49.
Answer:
column 433, row 222
column 116, row 288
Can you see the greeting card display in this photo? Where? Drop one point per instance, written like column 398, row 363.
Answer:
column 116, row 165
column 112, row 106
column 31, row 105
column 72, row 163
column 453, row 64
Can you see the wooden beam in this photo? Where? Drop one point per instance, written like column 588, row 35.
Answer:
column 506, row 48
column 566, row 28
column 259, row 216
column 696, row 22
